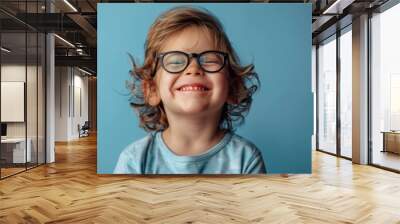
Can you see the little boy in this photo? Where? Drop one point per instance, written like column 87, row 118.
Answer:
column 189, row 93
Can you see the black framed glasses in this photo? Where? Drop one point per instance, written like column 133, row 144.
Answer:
column 178, row 61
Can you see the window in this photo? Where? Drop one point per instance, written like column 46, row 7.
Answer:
column 385, row 88
column 327, row 95
column 346, row 92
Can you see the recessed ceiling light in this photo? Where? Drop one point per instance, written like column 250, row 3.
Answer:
column 65, row 41
column 84, row 71
column 5, row 50
column 70, row 5
column 337, row 7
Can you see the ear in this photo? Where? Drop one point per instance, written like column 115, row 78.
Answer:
column 150, row 92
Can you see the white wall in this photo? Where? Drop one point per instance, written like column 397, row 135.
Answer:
column 71, row 94
column 80, row 110
column 62, row 81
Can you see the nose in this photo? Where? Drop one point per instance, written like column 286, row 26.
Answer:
column 193, row 68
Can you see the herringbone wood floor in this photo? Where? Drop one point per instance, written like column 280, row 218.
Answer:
column 70, row 191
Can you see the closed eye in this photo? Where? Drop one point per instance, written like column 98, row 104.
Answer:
column 175, row 62
column 211, row 62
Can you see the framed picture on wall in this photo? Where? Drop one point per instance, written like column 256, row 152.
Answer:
column 204, row 88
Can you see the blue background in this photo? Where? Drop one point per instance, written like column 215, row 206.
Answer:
column 275, row 37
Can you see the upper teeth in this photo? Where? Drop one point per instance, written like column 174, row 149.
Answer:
column 193, row 88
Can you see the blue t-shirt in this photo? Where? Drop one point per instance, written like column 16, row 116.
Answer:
column 150, row 155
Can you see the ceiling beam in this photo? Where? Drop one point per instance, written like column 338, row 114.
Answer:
column 84, row 61
column 84, row 24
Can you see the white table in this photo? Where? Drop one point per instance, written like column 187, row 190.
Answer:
column 19, row 155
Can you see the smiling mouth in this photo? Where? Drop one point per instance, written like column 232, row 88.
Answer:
column 193, row 88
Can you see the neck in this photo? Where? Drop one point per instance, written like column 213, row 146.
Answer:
column 192, row 136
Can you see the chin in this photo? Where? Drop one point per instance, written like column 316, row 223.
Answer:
column 194, row 110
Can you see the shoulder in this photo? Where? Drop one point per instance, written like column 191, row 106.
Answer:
column 134, row 155
column 138, row 147
column 248, row 152
column 243, row 144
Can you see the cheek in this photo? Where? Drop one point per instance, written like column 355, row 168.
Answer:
column 165, row 83
column 224, row 82
column 223, row 86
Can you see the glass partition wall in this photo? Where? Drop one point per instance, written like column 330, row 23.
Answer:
column 334, row 94
column 22, row 77
column 13, row 88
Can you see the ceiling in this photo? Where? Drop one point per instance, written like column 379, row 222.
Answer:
column 76, row 22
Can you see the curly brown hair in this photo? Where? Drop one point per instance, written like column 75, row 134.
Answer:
column 243, row 80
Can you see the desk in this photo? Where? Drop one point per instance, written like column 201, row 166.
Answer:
column 391, row 141
column 17, row 150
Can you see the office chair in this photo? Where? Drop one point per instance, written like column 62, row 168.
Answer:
column 84, row 130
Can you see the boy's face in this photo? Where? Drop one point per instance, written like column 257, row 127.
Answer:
column 184, row 93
